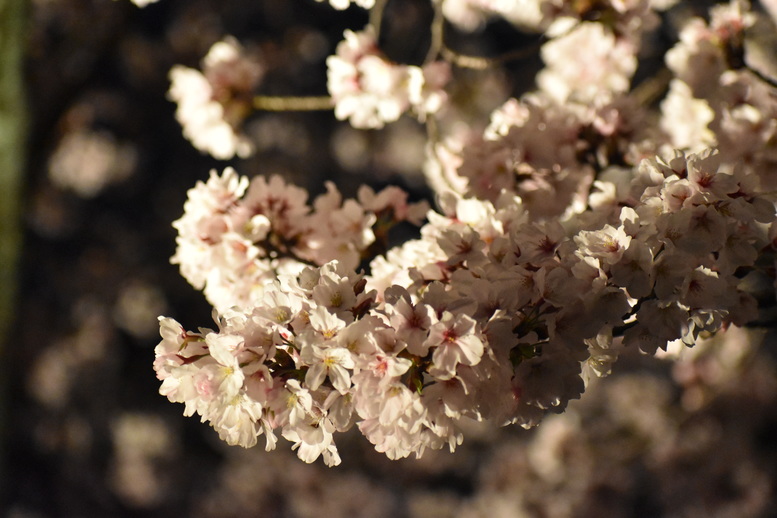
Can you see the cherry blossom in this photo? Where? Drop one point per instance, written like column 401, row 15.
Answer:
column 370, row 91
column 212, row 104
column 580, row 222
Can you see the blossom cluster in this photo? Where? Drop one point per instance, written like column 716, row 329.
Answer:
column 237, row 235
column 365, row 87
column 489, row 315
column 579, row 223
column 370, row 90
column 213, row 104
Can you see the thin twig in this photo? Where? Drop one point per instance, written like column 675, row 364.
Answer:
column 432, row 131
column 763, row 77
column 652, row 88
column 376, row 16
column 437, row 35
column 290, row 104
column 483, row 63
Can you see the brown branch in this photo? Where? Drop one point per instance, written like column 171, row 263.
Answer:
column 483, row 63
column 291, row 104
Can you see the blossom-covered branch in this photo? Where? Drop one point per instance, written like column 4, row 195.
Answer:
column 579, row 223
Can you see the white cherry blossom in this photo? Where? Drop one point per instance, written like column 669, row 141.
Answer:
column 370, row 90
column 212, row 104
column 582, row 222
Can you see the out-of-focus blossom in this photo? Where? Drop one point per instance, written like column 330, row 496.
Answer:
column 140, row 441
column 588, row 64
column 143, row 3
column 686, row 119
column 87, row 162
column 471, row 15
column 344, row 4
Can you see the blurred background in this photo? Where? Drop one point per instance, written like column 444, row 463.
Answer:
column 103, row 174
